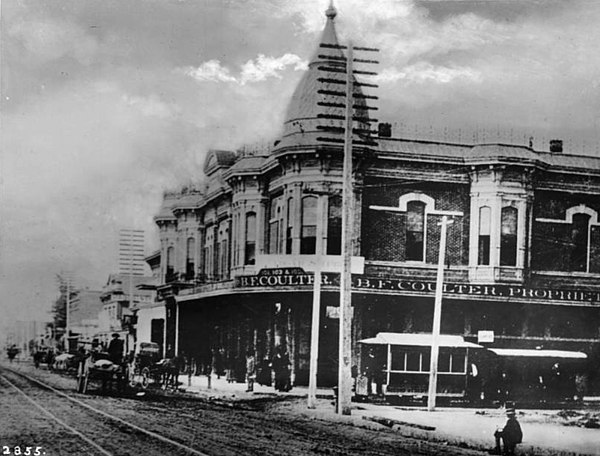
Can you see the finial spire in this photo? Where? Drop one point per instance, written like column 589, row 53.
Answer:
column 331, row 12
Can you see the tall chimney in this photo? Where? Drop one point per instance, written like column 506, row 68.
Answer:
column 556, row 145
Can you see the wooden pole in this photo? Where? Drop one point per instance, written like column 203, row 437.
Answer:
column 437, row 317
column 345, row 337
column 316, row 316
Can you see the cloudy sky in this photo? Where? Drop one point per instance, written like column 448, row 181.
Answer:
column 107, row 103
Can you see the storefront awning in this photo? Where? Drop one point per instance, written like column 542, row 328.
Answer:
column 418, row 340
column 524, row 353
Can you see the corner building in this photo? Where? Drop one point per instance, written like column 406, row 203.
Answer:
column 523, row 259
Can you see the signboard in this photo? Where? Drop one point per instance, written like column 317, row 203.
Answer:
column 485, row 336
column 420, row 287
column 326, row 263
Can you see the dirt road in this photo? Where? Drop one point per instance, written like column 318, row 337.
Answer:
column 211, row 427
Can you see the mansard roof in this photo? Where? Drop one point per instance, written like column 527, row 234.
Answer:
column 216, row 159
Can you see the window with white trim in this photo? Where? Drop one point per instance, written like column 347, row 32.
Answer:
column 275, row 224
column 508, row 236
column 415, row 231
column 250, row 249
column 308, row 231
column 580, row 243
column 485, row 216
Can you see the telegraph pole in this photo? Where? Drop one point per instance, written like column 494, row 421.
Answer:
column 437, row 314
column 344, row 65
column 316, row 322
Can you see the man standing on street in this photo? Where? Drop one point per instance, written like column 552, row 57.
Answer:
column 250, row 370
column 115, row 349
column 511, row 435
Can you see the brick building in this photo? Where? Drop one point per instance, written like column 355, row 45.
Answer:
column 523, row 259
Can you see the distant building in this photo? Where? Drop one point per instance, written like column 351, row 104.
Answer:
column 120, row 296
column 84, row 308
column 151, row 316
column 523, row 253
column 131, row 252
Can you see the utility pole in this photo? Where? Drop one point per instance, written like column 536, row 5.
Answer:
column 344, row 65
column 437, row 315
column 316, row 321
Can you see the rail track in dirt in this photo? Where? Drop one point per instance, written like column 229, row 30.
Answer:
column 174, row 425
column 90, row 430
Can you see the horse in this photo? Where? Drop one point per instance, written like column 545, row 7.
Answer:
column 171, row 367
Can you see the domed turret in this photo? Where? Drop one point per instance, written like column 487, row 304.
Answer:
column 303, row 110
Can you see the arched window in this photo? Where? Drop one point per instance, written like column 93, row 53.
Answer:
column 415, row 231
column 308, row 232
column 334, row 226
column 508, row 236
column 209, row 241
column 170, row 270
column 289, row 232
column 485, row 215
column 580, row 235
column 275, row 224
column 250, row 249
column 190, row 263
column 223, row 250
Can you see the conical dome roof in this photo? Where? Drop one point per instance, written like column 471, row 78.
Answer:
column 303, row 111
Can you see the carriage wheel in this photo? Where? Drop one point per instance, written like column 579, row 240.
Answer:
column 145, row 378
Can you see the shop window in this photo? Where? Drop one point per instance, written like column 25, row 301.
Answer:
column 508, row 237
column 415, row 231
column 484, row 235
column 190, row 263
column 580, row 234
column 308, row 232
column 250, row 249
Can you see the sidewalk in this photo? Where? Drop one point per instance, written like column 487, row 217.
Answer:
column 199, row 384
column 544, row 433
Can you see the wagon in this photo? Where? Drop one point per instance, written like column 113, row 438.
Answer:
column 97, row 367
column 147, row 368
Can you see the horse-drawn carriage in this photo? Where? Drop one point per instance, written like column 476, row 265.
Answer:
column 148, row 369
column 95, row 366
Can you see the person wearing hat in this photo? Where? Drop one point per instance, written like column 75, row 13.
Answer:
column 511, row 435
column 115, row 349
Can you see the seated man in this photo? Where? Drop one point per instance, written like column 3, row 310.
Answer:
column 511, row 435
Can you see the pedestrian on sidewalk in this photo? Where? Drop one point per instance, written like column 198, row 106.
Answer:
column 250, row 371
column 511, row 435
column 281, row 368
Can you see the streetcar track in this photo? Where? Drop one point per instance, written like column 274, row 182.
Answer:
column 97, row 411
column 55, row 418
